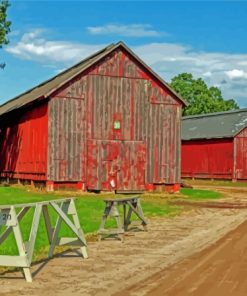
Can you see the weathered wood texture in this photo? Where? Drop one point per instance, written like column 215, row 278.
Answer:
column 240, row 155
column 10, row 221
column 114, row 127
column 131, row 205
column 66, row 139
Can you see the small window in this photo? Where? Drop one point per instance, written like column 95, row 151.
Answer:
column 117, row 125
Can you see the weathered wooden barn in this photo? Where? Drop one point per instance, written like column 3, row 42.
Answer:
column 107, row 123
column 215, row 145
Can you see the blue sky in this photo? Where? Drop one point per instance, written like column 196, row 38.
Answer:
column 207, row 39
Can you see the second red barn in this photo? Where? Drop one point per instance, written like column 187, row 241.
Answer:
column 215, row 145
column 107, row 123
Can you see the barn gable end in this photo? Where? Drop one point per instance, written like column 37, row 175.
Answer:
column 111, row 124
column 125, row 116
column 120, row 63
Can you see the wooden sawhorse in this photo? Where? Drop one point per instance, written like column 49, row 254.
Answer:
column 11, row 216
column 131, row 205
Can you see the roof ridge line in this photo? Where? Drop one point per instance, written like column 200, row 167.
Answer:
column 46, row 88
column 88, row 58
column 214, row 114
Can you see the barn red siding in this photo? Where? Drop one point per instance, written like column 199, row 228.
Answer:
column 208, row 158
column 240, row 144
column 114, row 123
column 23, row 144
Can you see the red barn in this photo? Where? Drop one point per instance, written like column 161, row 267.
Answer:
column 215, row 145
column 107, row 123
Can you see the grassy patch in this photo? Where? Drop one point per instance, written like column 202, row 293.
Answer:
column 198, row 194
column 206, row 182
column 89, row 207
column 16, row 195
column 152, row 209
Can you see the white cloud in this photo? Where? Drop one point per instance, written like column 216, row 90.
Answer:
column 33, row 46
column 228, row 71
column 133, row 30
column 235, row 74
column 207, row 74
column 215, row 68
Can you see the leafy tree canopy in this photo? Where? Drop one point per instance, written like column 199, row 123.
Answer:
column 201, row 98
column 4, row 25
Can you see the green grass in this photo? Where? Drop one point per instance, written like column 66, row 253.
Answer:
column 198, row 194
column 206, row 182
column 89, row 207
column 15, row 195
column 154, row 209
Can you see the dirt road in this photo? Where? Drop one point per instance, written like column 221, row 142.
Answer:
column 113, row 267
column 219, row 270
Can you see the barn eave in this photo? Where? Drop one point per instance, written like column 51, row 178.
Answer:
column 48, row 87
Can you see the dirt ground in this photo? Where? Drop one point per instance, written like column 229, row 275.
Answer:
column 219, row 270
column 144, row 264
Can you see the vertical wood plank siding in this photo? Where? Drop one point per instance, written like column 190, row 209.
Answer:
column 208, row 158
column 23, row 144
column 114, row 122
column 240, row 145
column 66, row 139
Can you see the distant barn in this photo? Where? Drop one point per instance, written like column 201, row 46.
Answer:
column 215, row 145
column 107, row 123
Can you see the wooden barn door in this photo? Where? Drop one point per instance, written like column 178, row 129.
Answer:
column 131, row 173
column 116, row 165
column 116, row 152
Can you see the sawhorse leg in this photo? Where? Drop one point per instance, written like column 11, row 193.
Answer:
column 112, row 211
column 135, row 207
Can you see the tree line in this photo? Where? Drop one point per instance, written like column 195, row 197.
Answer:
column 4, row 26
column 202, row 99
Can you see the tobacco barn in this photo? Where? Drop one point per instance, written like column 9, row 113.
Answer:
column 215, row 145
column 107, row 123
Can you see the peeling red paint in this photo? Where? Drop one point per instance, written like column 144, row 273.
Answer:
column 132, row 133
column 113, row 127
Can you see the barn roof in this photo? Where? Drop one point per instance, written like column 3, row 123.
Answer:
column 214, row 125
column 45, row 89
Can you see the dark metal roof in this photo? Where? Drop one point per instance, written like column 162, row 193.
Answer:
column 214, row 125
column 44, row 89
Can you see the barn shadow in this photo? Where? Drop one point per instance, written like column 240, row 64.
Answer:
column 20, row 138
column 10, row 145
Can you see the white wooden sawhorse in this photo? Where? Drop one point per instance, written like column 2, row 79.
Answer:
column 131, row 205
column 10, row 219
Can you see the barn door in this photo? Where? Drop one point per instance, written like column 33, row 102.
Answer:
column 131, row 176
column 116, row 165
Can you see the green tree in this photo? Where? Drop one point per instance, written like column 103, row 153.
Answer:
column 201, row 98
column 4, row 25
